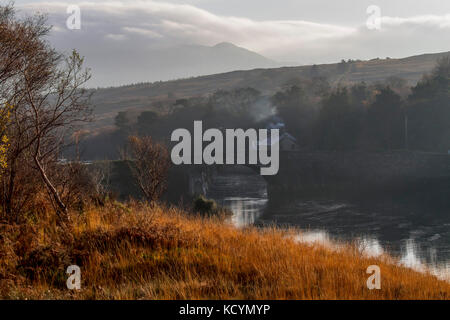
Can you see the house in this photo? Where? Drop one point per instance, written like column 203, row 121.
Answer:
column 286, row 141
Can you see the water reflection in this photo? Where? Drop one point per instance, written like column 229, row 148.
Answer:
column 370, row 246
column 246, row 211
column 419, row 237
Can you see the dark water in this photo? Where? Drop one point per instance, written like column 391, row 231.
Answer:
column 418, row 235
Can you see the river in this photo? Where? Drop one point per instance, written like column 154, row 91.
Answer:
column 419, row 236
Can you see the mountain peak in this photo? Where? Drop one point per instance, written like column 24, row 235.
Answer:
column 225, row 45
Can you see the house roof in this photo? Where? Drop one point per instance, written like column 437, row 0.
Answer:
column 271, row 142
column 287, row 136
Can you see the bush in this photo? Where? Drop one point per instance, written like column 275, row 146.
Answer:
column 205, row 206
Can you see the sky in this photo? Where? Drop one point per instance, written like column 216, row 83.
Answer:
column 288, row 31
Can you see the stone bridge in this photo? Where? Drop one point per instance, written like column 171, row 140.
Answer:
column 310, row 172
column 360, row 171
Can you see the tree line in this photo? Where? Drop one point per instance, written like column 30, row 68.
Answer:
column 376, row 117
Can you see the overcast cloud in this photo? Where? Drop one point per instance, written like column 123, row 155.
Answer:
column 123, row 32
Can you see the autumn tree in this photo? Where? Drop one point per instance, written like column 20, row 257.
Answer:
column 5, row 111
column 149, row 163
column 46, row 90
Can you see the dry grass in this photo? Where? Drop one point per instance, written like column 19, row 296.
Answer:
column 135, row 252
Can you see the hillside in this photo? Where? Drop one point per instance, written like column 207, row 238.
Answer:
column 109, row 101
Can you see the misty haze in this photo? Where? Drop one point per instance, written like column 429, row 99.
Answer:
column 225, row 150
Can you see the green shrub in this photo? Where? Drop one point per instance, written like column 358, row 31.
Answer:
column 205, row 206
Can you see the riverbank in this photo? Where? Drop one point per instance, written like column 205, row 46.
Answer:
column 136, row 252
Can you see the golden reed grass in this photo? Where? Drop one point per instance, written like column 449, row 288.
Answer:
column 138, row 252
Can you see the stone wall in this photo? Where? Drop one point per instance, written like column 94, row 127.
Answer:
column 360, row 170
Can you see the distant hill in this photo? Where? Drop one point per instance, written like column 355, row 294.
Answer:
column 145, row 96
column 175, row 63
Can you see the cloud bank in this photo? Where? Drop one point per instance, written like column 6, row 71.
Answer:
column 125, row 32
